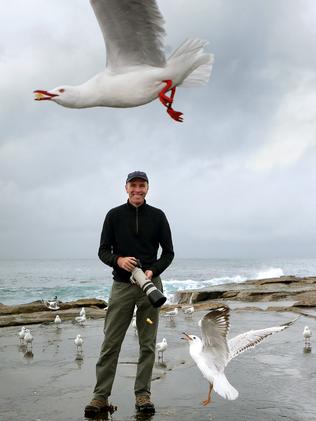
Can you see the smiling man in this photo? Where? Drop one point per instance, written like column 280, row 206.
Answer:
column 132, row 233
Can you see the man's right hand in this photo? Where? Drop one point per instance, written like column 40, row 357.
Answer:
column 127, row 263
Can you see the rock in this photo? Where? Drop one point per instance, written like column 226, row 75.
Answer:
column 258, row 290
column 36, row 306
column 37, row 312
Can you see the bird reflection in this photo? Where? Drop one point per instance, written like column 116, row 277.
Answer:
column 79, row 361
column 29, row 355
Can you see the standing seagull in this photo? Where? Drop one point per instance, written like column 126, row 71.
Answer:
column 81, row 319
column 171, row 314
column 57, row 321
column 28, row 338
column 137, row 71
column 22, row 335
column 78, row 343
column 161, row 347
column 214, row 351
column 188, row 311
column 307, row 332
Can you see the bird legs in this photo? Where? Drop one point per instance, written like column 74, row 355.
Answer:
column 208, row 400
column 168, row 101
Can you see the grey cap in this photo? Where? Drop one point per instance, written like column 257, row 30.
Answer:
column 137, row 174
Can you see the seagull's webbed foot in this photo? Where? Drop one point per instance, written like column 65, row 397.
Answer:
column 176, row 115
column 208, row 400
column 168, row 101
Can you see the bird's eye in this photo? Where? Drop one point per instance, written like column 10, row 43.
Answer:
column 61, row 90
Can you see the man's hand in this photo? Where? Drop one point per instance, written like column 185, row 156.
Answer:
column 149, row 274
column 127, row 263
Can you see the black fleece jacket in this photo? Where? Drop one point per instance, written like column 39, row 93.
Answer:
column 136, row 232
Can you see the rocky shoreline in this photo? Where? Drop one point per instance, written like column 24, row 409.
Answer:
column 37, row 312
column 298, row 293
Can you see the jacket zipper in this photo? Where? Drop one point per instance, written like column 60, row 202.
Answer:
column 136, row 220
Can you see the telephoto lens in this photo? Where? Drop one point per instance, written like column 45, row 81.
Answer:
column 156, row 297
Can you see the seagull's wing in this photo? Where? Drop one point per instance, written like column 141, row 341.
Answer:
column 214, row 327
column 250, row 339
column 132, row 30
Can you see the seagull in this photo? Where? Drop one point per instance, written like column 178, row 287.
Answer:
column 213, row 352
column 22, row 335
column 137, row 71
column 188, row 311
column 53, row 304
column 57, row 321
column 81, row 319
column 307, row 333
column 161, row 347
column 28, row 338
column 172, row 313
column 82, row 311
column 78, row 343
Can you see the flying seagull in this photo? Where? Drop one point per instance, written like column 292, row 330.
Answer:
column 213, row 352
column 137, row 71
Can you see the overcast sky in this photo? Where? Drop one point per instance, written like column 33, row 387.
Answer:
column 236, row 179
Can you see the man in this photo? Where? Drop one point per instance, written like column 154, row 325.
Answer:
column 131, row 232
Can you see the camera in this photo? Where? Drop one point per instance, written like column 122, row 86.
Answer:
column 156, row 297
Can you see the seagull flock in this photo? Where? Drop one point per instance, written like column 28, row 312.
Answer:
column 26, row 338
column 137, row 70
column 211, row 353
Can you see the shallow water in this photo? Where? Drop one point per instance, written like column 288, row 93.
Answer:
column 276, row 381
column 23, row 281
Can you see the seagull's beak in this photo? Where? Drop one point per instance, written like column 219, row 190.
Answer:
column 187, row 337
column 41, row 95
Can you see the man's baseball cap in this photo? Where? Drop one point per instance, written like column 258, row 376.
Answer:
column 137, row 174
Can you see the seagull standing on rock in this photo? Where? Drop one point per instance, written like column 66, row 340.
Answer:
column 53, row 304
column 137, row 71
column 172, row 313
column 57, row 321
column 78, row 343
column 22, row 335
column 28, row 338
column 188, row 311
column 81, row 319
column 161, row 347
column 213, row 352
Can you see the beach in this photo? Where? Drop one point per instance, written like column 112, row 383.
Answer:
column 276, row 380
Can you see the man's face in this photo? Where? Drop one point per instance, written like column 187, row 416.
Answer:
column 136, row 190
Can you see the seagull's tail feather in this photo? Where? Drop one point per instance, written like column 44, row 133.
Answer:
column 222, row 386
column 191, row 65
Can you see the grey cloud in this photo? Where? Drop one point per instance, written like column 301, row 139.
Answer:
column 61, row 170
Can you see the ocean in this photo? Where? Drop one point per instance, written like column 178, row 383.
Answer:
column 24, row 281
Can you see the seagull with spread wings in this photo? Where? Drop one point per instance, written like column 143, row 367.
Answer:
column 137, row 71
column 214, row 351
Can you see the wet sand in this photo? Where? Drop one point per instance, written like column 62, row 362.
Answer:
column 276, row 381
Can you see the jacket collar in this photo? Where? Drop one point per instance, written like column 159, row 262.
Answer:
column 138, row 207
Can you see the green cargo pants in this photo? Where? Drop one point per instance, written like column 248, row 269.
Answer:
column 123, row 298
